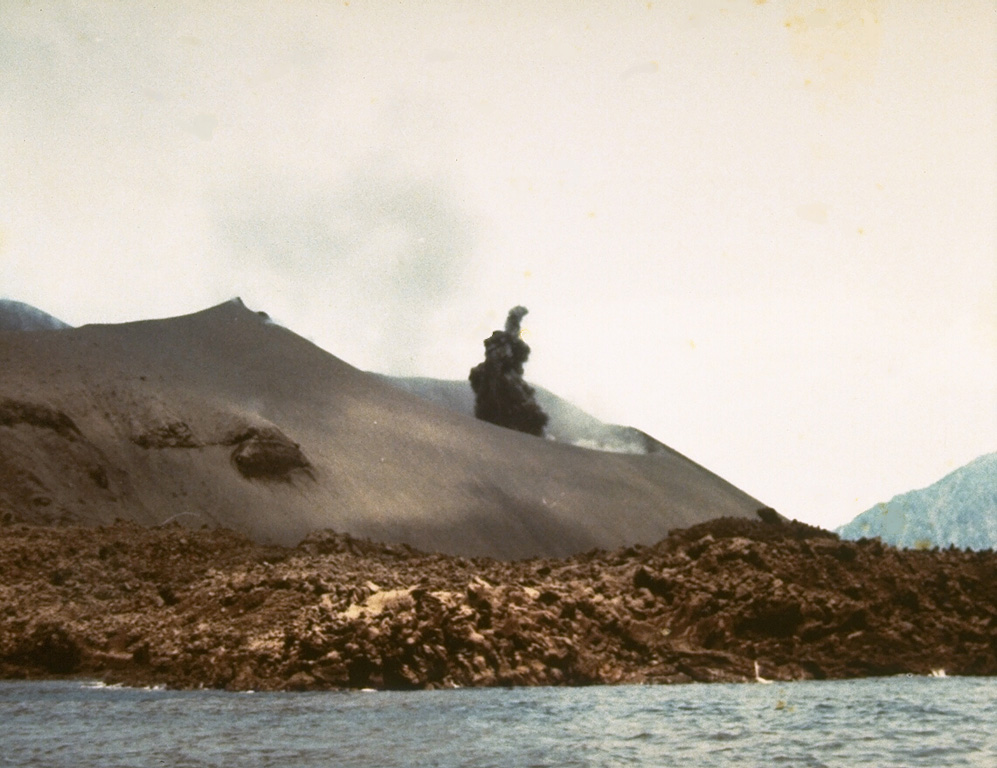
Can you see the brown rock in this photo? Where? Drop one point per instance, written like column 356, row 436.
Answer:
column 190, row 608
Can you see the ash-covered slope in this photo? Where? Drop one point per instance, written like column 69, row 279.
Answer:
column 960, row 509
column 566, row 422
column 224, row 418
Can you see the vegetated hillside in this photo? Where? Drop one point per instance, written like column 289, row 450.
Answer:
column 18, row 316
column 227, row 419
column 960, row 510
column 567, row 423
column 210, row 608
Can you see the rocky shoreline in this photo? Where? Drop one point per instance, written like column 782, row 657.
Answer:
column 210, row 608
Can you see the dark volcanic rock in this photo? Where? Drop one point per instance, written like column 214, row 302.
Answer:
column 171, row 434
column 15, row 412
column 192, row 608
column 267, row 454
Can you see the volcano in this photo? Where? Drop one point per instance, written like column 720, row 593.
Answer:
column 224, row 418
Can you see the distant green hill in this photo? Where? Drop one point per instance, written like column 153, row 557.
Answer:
column 18, row 316
column 959, row 509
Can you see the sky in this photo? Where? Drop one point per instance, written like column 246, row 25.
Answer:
column 763, row 232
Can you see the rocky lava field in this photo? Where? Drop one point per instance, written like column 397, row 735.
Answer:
column 192, row 608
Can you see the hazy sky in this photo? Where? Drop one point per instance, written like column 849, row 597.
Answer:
column 763, row 232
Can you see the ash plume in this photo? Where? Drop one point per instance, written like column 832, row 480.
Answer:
column 501, row 395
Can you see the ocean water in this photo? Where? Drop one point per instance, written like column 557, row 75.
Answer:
column 903, row 721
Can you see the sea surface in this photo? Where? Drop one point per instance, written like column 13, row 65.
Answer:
column 902, row 721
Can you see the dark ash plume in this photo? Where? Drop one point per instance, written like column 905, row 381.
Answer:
column 501, row 395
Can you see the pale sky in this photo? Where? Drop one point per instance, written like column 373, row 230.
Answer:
column 763, row 232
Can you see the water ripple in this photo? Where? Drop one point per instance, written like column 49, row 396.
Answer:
column 887, row 722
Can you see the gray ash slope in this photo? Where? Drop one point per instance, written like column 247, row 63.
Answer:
column 567, row 423
column 226, row 419
column 959, row 510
